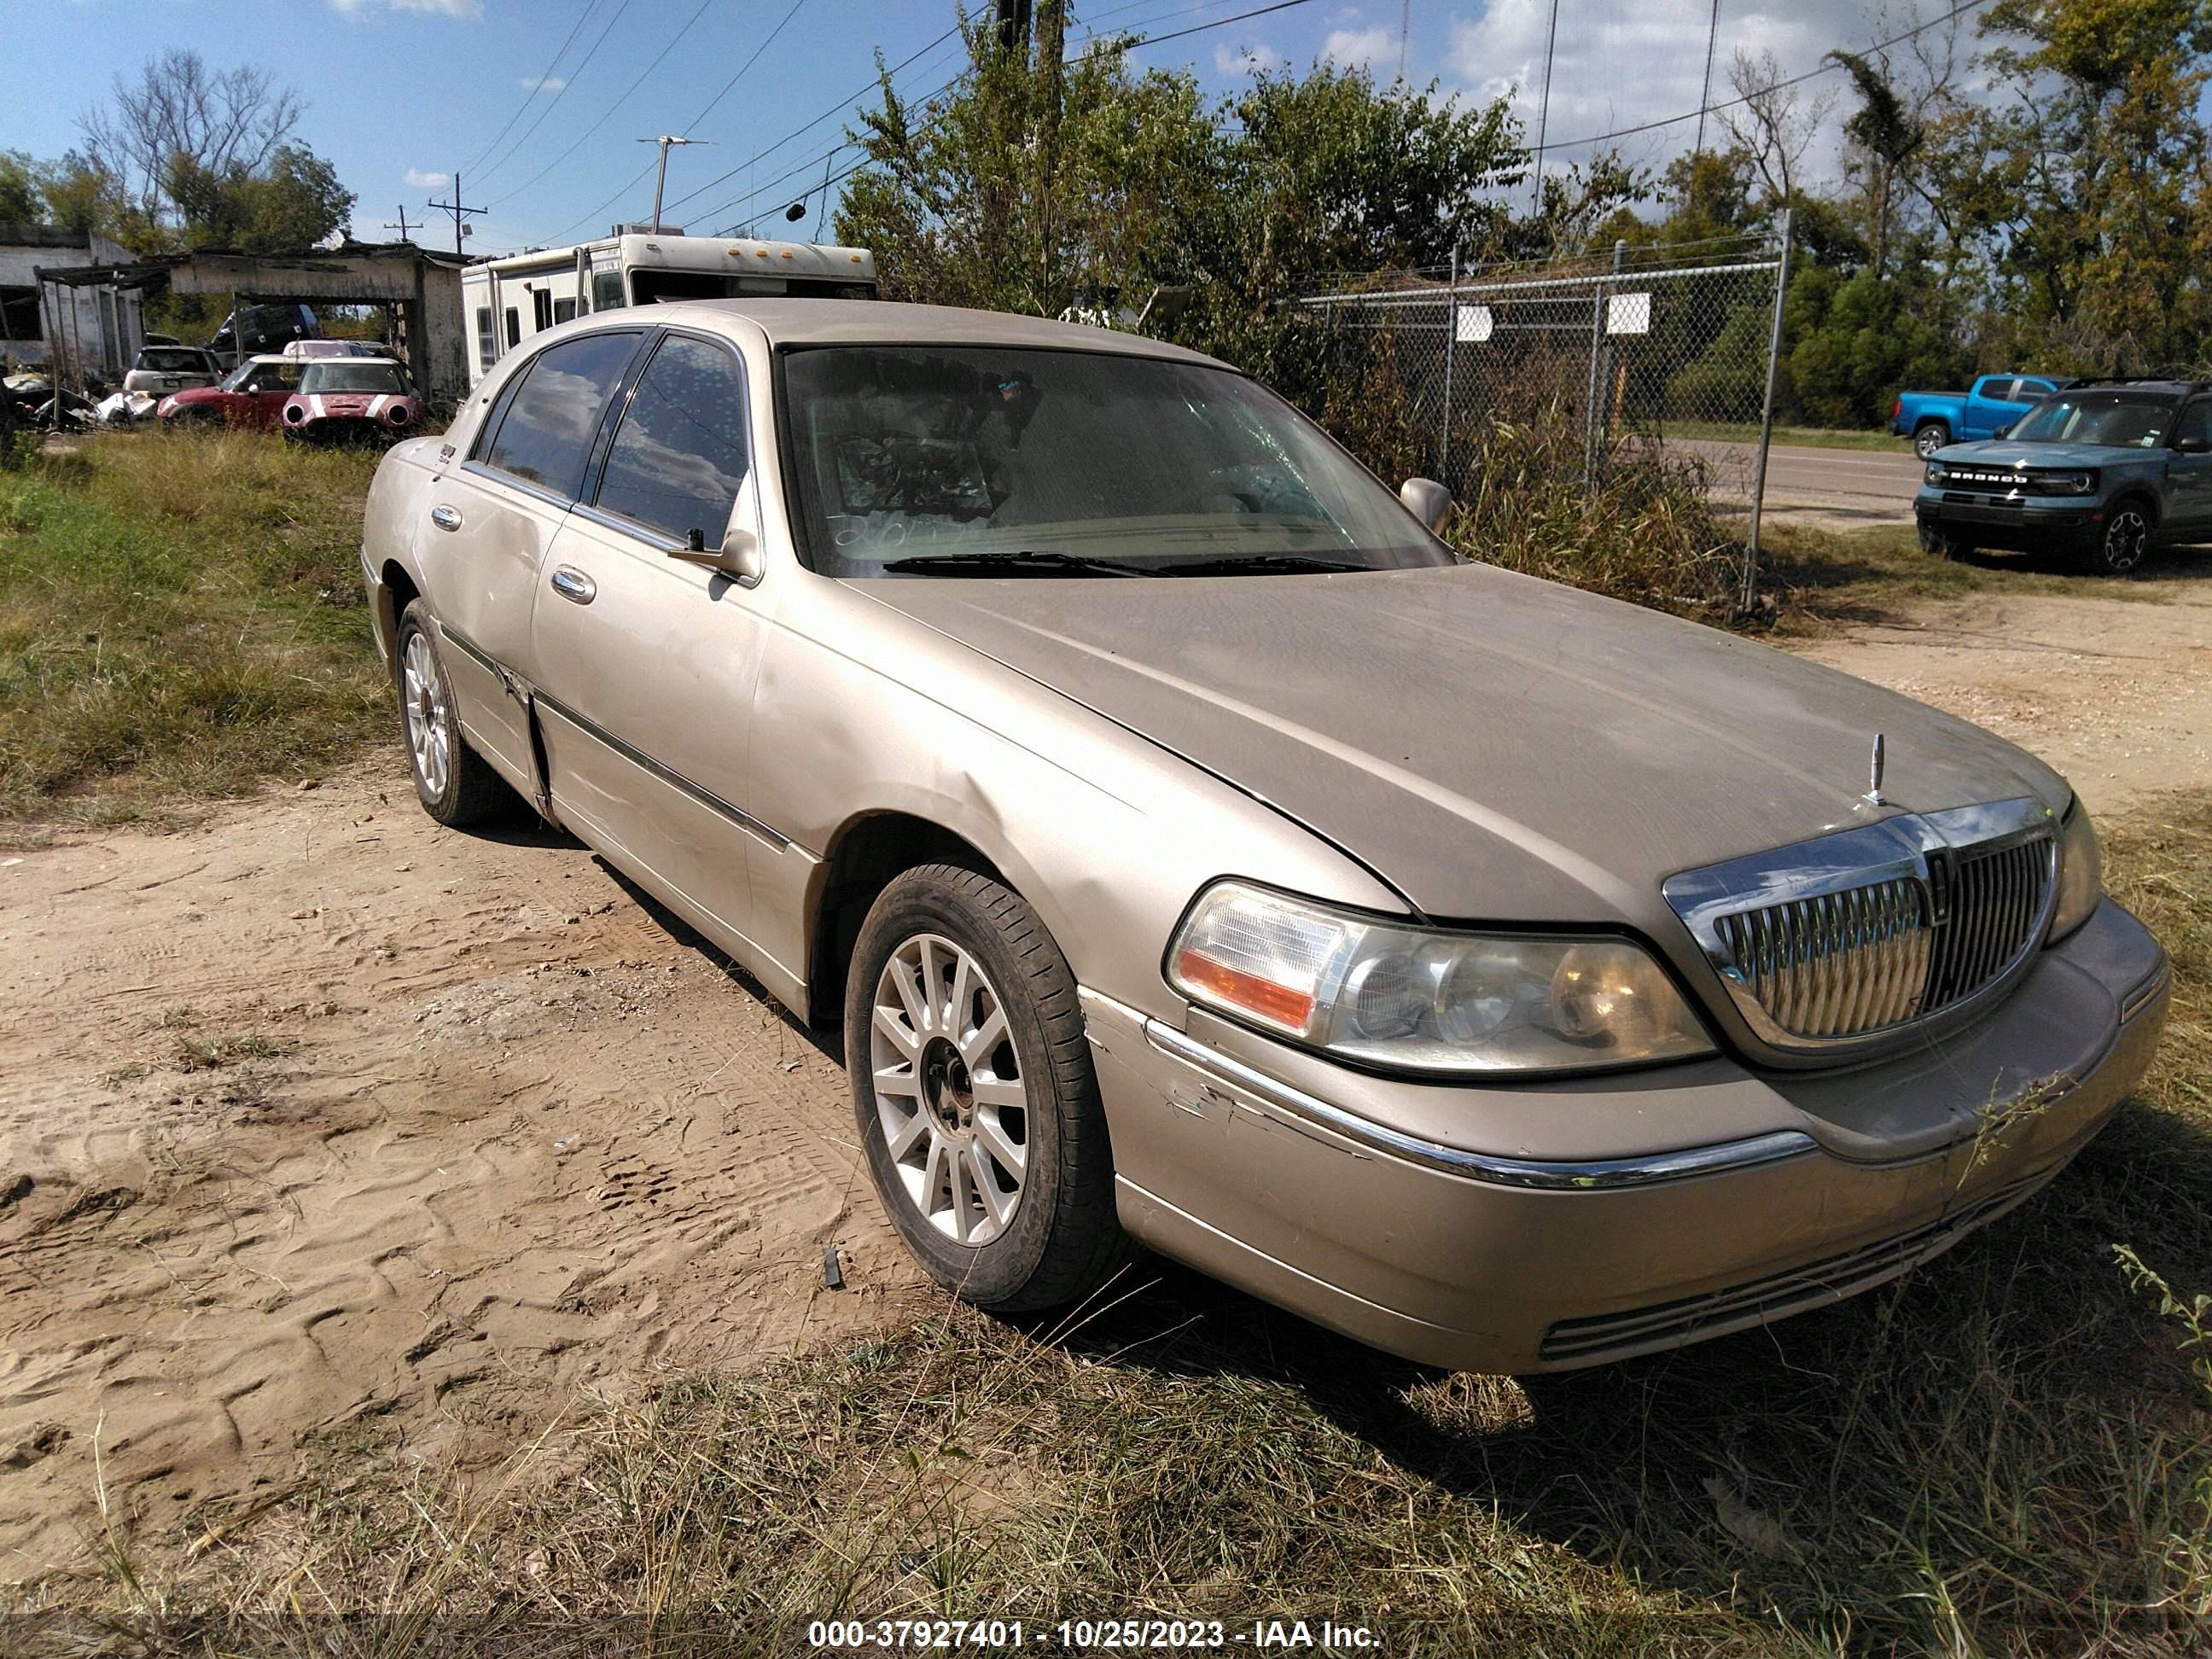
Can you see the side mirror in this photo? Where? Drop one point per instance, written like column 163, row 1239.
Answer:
column 738, row 557
column 2194, row 443
column 2001, row 432
column 1426, row 500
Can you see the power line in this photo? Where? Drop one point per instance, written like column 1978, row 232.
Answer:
column 581, row 137
column 561, row 91
column 538, row 85
column 1795, row 80
column 1127, row 45
column 631, row 184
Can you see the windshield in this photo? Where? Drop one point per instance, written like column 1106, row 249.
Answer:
column 1073, row 463
column 337, row 374
column 2130, row 420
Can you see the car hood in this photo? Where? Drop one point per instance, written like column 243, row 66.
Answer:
column 1999, row 452
column 1494, row 746
column 197, row 394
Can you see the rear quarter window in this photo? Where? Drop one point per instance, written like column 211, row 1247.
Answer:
column 543, row 429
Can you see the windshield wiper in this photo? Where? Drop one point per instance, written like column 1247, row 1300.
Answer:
column 1259, row 564
column 1025, row 563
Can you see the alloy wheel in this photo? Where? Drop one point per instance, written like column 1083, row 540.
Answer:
column 430, row 722
column 951, row 1103
column 2126, row 538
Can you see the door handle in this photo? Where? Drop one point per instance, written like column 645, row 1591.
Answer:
column 573, row 585
column 446, row 518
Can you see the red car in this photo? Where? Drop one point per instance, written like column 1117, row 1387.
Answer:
column 352, row 399
column 253, row 394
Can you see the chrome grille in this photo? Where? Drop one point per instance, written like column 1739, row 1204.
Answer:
column 1839, row 964
column 1831, row 943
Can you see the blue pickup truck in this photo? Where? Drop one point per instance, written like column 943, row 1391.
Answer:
column 1932, row 419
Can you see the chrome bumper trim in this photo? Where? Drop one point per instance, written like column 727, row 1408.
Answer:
column 2149, row 992
column 1597, row 1176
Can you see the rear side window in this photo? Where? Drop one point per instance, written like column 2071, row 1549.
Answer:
column 544, row 435
column 680, row 453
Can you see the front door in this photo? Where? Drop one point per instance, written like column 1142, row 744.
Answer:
column 645, row 662
column 502, row 505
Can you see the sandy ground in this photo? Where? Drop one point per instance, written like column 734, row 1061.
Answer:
column 313, row 1113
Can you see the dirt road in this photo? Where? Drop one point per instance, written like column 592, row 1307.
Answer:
column 313, row 1113
column 316, row 1112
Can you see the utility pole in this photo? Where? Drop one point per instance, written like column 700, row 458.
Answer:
column 461, row 215
column 1705, row 98
column 660, row 183
column 1544, row 108
column 1405, row 28
column 402, row 226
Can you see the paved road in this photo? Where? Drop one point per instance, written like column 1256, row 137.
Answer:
column 1840, row 488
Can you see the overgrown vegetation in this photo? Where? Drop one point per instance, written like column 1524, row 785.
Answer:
column 2008, row 1452
column 180, row 615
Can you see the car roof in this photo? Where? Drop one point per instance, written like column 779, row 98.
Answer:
column 350, row 360
column 809, row 322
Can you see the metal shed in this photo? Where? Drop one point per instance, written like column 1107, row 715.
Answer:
column 424, row 289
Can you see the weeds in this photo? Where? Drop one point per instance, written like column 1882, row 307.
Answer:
column 179, row 615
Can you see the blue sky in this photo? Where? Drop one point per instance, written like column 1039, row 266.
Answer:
column 403, row 93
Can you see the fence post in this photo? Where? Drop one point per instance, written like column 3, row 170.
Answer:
column 1765, row 423
column 1451, row 342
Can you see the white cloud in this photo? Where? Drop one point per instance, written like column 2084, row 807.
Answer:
column 1248, row 60
column 471, row 9
column 1620, row 67
column 541, row 83
column 422, row 181
column 1362, row 48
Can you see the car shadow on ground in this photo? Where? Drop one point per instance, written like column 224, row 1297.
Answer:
column 1994, row 1401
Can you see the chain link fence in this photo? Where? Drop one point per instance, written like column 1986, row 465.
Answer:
column 1669, row 347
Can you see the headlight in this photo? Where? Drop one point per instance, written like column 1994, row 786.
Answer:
column 1424, row 1000
column 2080, row 872
column 1937, row 472
column 2068, row 484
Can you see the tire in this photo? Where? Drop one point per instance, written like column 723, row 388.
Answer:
column 1928, row 437
column 943, row 1122
column 456, row 785
column 2124, row 545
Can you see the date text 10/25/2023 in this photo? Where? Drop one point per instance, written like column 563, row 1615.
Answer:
column 1091, row 1635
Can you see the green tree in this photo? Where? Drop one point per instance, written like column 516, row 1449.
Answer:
column 21, row 200
column 2093, row 190
column 292, row 203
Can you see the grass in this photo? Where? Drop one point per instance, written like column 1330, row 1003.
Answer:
column 1811, row 437
column 1823, row 577
column 2009, row 1452
column 181, row 617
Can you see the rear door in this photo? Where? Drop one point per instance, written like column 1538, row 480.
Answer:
column 2189, row 475
column 492, row 517
column 646, row 661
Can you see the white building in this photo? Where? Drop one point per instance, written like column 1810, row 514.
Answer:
column 95, row 330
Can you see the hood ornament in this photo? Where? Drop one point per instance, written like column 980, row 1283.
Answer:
column 1873, row 795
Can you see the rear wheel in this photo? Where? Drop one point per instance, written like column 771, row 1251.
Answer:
column 975, row 1095
column 2126, row 541
column 456, row 785
column 1928, row 437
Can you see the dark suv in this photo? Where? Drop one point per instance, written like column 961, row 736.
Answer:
column 2106, row 468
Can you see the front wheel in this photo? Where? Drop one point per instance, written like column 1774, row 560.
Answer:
column 1928, row 437
column 975, row 1095
column 2125, row 543
column 456, row 785
column 1934, row 539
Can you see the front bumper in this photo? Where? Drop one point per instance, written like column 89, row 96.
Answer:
column 2032, row 525
column 1523, row 1258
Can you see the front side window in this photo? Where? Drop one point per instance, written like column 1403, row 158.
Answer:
column 2127, row 420
column 680, row 453
column 544, row 433
column 918, row 461
column 272, row 377
column 2194, row 426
